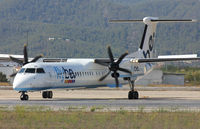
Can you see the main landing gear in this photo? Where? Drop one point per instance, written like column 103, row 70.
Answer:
column 132, row 94
column 24, row 96
column 47, row 94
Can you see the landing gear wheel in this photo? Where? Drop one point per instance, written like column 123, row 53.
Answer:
column 24, row 97
column 44, row 94
column 133, row 95
column 130, row 95
column 47, row 94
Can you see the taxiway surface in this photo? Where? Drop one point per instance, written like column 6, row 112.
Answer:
column 113, row 99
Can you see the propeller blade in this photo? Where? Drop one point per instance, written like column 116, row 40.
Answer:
column 14, row 74
column 36, row 58
column 16, row 60
column 116, row 79
column 124, row 70
column 25, row 54
column 103, row 77
column 110, row 54
column 122, row 57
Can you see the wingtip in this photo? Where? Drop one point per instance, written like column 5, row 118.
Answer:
column 194, row 20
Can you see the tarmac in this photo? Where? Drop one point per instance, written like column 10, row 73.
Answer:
column 150, row 98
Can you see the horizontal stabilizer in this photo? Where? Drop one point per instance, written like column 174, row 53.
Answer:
column 181, row 20
column 149, row 60
column 152, row 20
column 125, row 21
column 178, row 56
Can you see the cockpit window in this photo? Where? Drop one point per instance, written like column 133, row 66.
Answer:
column 40, row 70
column 30, row 70
column 21, row 70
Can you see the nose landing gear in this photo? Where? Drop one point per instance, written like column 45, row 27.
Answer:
column 24, row 96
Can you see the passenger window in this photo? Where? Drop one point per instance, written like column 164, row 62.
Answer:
column 21, row 70
column 40, row 70
column 30, row 70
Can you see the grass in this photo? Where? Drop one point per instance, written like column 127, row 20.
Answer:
column 39, row 118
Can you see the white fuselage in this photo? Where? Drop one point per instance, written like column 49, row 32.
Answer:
column 74, row 73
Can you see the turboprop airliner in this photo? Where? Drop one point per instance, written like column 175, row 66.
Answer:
column 42, row 74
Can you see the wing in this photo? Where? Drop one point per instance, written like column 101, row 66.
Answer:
column 149, row 60
column 6, row 57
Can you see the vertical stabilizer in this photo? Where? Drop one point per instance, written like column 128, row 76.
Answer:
column 148, row 37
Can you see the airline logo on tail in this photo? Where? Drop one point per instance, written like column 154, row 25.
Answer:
column 147, row 52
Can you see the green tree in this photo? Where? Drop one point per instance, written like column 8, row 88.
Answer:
column 3, row 77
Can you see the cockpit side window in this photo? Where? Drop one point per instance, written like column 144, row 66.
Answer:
column 30, row 70
column 40, row 70
column 21, row 70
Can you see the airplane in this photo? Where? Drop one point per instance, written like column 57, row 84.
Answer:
column 43, row 74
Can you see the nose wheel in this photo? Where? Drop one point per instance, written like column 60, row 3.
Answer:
column 24, row 96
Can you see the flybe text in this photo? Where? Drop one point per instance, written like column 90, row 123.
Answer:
column 65, row 75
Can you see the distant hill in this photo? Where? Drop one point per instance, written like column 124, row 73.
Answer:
column 84, row 23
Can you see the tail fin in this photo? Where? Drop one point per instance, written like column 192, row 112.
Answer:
column 148, row 38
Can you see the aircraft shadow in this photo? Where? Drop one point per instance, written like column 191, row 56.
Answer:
column 111, row 99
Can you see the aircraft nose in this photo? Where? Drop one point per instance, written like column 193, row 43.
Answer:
column 20, row 83
column 17, row 84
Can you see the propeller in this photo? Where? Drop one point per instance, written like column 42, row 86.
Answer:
column 113, row 66
column 25, row 60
